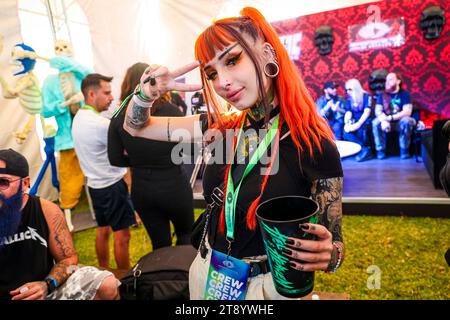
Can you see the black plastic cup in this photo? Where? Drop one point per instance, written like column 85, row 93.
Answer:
column 279, row 218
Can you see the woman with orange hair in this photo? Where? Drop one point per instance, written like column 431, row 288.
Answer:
column 243, row 62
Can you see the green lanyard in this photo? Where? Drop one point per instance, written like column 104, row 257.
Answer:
column 87, row 107
column 232, row 193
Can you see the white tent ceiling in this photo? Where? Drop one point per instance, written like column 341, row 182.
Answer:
column 111, row 35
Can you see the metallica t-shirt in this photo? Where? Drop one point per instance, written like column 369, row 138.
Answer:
column 25, row 256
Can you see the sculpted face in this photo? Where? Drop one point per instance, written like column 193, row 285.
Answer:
column 63, row 48
column 432, row 22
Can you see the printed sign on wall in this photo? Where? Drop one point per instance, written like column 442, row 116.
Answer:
column 383, row 34
column 292, row 44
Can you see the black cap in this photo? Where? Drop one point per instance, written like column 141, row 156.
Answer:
column 16, row 164
column 330, row 84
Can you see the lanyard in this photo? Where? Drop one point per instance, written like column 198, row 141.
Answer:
column 87, row 107
column 232, row 193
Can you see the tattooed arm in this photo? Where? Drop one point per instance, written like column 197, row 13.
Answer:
column 60, row 243
column 62, row 249
column 328, row 194
column 137, row 117
column 138, row 123
column 323, row 253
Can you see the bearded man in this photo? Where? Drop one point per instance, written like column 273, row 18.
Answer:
column 37, row 257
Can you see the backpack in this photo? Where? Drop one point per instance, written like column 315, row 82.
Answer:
column 160, row 275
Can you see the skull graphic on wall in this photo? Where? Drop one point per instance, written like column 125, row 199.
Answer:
column 63, row 48
column 377, row 81
column 323, row 39
column 432, row 21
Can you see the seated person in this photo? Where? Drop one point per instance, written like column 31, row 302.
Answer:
column 37, row 258
column 331, row 107
column 178, row 101
column 444, row 175
column 358, row 122
column 393, row 112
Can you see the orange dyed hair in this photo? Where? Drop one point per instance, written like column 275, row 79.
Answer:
column 297, row 107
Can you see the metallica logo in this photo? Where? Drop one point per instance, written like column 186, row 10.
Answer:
column 31, row 234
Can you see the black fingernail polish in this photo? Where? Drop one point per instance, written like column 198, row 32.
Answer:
column 292, row 265
column 304, row 226
column 287, row 251
column 152, row 81
column 200, row 61
column 290, row 241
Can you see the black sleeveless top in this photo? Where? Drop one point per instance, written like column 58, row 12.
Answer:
column 25, row 256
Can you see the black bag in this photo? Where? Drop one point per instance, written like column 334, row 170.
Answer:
column 160, row 275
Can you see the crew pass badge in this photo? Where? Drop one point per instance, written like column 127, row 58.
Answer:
column 227, row 278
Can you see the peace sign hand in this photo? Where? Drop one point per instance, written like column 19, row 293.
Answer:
column 157, row 80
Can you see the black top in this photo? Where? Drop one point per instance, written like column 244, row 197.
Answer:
column 178, row 101
column 142, row 152
column 25, row 256
column 294, row 176
column 393, row 102
column 358, row 111
column 331, row 115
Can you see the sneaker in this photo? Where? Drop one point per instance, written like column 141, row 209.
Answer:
column 381, row 155
column 404, row 154
column 364, row 156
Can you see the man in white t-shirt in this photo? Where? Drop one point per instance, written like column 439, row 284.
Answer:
column 110, row 198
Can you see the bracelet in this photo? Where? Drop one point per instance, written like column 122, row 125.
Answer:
column 340, row 253
column 168, row 129
column 142, row 95
column 52, row 284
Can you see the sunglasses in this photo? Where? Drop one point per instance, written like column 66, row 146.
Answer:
column 5, row 183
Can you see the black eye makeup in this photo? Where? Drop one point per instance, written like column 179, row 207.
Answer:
column 234, row 59
column 212, row 74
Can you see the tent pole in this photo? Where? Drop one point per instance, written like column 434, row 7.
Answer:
column 50, row 18
column 66, row 21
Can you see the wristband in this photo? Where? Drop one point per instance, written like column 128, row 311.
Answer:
column 52, row 284
column 142, row 103
column 141, row 99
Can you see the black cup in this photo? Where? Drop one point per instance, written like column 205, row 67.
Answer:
column 279, row 218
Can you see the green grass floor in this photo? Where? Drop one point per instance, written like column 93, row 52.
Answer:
column 409, row 253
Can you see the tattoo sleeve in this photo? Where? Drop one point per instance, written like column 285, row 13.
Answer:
column 328, row 194
column 138, row 117
column 63, row 250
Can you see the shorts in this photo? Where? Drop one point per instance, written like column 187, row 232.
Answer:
column 113, row 207
column 81, row 285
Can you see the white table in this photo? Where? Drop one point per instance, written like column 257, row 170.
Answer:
column 347, row 148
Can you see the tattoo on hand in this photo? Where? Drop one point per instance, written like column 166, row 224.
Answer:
column 139, row 116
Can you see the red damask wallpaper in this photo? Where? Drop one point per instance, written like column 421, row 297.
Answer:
column 424, row 64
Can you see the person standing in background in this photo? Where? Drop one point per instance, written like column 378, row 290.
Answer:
column 160, row 190
column 110, row 197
